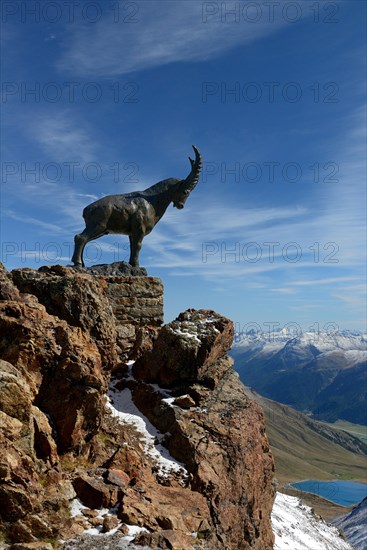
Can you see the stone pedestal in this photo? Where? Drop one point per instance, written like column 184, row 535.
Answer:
column 129, row 318
column 137, row 304
column 136, row 300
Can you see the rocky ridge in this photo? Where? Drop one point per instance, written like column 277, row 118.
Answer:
column 165, row 452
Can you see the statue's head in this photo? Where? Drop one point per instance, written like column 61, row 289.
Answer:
column 180, row 198
column 185, row 187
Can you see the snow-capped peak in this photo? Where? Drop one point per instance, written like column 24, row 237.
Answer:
column 323, row 341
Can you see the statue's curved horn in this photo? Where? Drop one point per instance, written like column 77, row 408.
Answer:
column 194, row 175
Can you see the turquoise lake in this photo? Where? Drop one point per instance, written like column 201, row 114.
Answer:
column 345, row 493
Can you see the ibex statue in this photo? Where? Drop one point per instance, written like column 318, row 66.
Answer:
column 134, row 214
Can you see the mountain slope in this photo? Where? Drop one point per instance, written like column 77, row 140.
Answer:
column 354, row 525
column 296, row 527
column 306, row 449
column 318, row 373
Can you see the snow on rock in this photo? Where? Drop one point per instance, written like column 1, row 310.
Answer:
column 296, row 527
column 354, row 525
column 190, row 329
column 187, row 334
column 76, row 508
column 121, row 405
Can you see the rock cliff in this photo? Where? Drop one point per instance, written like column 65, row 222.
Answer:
column 111, row 423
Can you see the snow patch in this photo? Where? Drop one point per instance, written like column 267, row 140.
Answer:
column 133, row 531
column 169, row 400
column 76, row 507
column 297, row 528
column 187, row 335
column 121, row 405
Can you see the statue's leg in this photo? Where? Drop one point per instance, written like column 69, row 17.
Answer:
column 131, row 248
column 80, row 242
column 89, row 234
column 135, row 245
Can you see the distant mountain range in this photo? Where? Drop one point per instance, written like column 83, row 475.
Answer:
column 319, row 373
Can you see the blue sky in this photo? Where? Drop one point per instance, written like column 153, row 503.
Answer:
column 106, row 97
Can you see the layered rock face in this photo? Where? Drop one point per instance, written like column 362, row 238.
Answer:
column 215, row 430
column 65, row 337
column 117, row 311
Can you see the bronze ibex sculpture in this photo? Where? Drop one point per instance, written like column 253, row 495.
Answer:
column 134, row 214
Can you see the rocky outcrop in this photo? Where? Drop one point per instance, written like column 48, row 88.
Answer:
column 51, row 401
column 221, row 436
column 117, row 311
column 54, row 366
column 191, row 348
column 78, row 299
column 62, row 344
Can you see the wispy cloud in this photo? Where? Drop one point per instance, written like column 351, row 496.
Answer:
column 326, row 281
column 63, row 137
column 50, row 228
column 284, row 290
column 161, row 32
column 353, row 296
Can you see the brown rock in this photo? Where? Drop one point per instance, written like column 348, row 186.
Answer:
column 92, row 492
column 112, row 309
column 44, row 443
column 77, row 298
column 56, row 363
column 90, row 513
column 32, row 546
column 83, row 521
column 158, row 506
column 14, row 502
column 21, row 532
column 124, row 529
column 118, row 477
column 109, row 522
column 184, row 401
column 230, row 463
column 44, row 359
column 7, row 289
column 15, row 397
column 166, row 539
column 71, row 529
column 186, row 350
column 137, row 304
column 222, row 443
column 15, row 466
column 144, row 340
column 204, row 530
column 38, row 526
column 96, row 522
column 10, row 427
column 59, row 489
